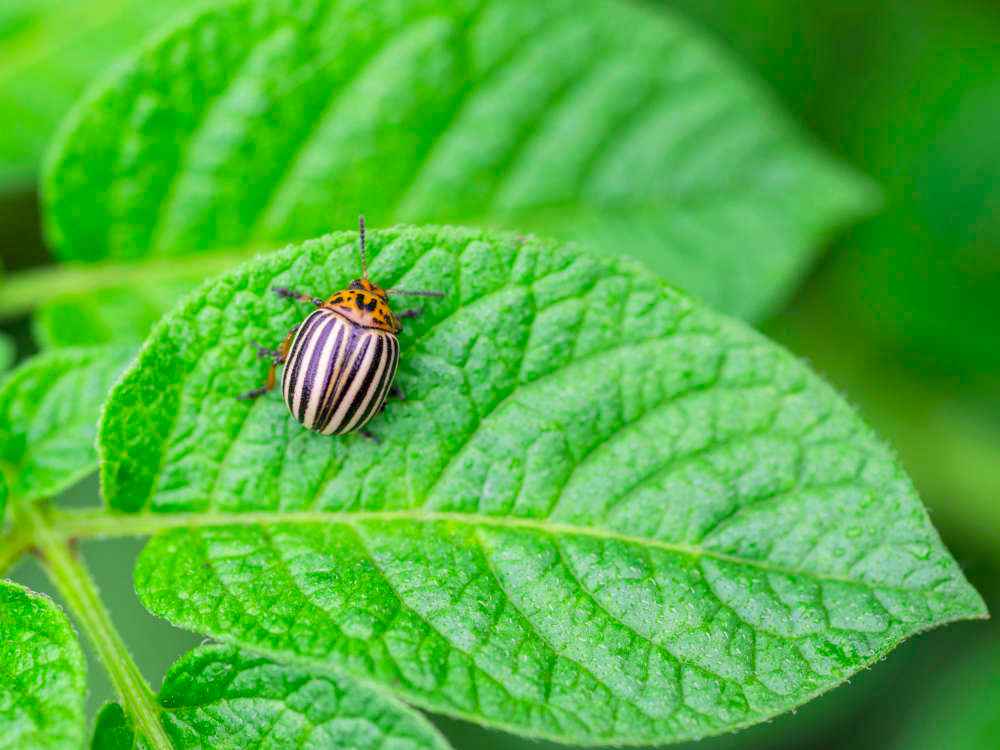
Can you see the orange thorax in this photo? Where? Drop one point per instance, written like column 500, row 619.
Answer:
column 366, row 304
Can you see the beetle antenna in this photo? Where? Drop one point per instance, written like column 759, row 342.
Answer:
column 361, row 238
column 413, row 293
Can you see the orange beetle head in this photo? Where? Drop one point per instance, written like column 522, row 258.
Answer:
column 366, row 285
column 366, row 303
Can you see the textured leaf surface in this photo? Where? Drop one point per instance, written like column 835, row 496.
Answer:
column 603, row 513
column 51, row 49
column 262, row 121
column 219, row 697
column 42, row 674
column 49, row 408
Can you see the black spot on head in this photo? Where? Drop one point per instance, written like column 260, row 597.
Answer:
column 370, row 307
column 338, row 299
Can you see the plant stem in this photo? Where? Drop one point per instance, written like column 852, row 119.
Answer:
column 25, row 290
column 12, row 547
column 77, row 588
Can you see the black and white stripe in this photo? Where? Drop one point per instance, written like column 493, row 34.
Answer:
column 337, row 373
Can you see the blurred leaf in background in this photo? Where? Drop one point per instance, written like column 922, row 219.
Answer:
column 962, row 711
column 927, row 274
column 50, row 50
column 122, row 314
column 609, row 122
column 905, row 315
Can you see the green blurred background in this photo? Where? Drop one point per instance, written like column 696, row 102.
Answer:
column 902, row 315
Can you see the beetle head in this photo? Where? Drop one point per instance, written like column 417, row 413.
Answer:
column 366, row 285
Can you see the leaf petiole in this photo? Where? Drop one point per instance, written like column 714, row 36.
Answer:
column 25, row 290
column 12, row 546
column 76, row 586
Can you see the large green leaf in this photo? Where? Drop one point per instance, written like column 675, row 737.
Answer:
column 50, row 50
column 220, row 697
column 603, row 513
column 48, row 417
column 42, row 674
column 598, row 119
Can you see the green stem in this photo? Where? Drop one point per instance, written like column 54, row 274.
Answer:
column 77, row 588
column 23, row 291
column 12, row 546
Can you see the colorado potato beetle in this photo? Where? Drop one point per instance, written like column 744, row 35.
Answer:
column 341, row 360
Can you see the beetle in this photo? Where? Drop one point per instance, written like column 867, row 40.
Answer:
column 341, row 360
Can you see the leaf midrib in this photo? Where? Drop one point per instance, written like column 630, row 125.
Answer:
column 102, row 524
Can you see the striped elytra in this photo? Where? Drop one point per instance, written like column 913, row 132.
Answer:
column 340, row 361
column 338, row 373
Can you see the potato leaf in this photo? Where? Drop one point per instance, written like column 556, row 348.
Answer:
column 603, row 514
column 263, row 121
column 221, row 697
column 49, row 51
column 42, row 674
column 49, row 408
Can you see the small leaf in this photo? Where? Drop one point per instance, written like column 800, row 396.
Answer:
column 220, row 697
column 48, row 417
column 262, row 121
column 603, row 513
column 48, row 52
column 42, row 674
column 112, row 730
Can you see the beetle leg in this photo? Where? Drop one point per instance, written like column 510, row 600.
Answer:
column 252, row 394
column 410, row 313
column 287, row 344
column 278, row 357
column 396, row 392
column 370, row 436
column 268, row 386
column 291, row 294
column 265, row 353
